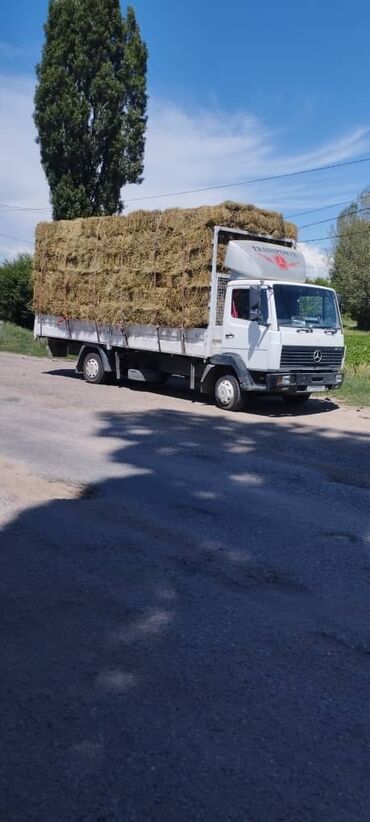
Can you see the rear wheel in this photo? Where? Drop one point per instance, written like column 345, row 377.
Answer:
column 228, row 394
column 296, row 399
column 93, row 369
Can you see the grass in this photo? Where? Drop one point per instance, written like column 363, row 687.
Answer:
column 355, row 389
column 356, row 386
column 358, row 348
column 19, row 340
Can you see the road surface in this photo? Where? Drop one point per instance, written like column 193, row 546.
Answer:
column 185, row 606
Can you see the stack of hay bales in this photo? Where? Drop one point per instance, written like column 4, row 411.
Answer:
column 150, row 267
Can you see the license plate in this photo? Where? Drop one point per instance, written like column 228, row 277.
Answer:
column 316, row 388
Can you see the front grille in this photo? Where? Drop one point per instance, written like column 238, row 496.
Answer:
column 296, row 357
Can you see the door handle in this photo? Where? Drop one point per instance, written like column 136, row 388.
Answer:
column 228, row 336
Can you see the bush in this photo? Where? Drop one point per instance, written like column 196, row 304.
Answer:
column 16, row 291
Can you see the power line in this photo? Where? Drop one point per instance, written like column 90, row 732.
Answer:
column 9, row 207
column 17, row 239
column 320, row 208
column 330, row 219
column 336, row 236
column 315, row 169
column 251, row 181
column 287, row 217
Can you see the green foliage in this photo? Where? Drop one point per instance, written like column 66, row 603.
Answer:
column 20, row 341
column 90, row 106
column 320, row 281
column 348, row 322
column 351, row 270
column 16, row 290
column 358, row 349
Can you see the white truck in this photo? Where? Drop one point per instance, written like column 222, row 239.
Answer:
column 268, row 332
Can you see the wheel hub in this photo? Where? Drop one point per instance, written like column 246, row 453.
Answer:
column 225, row 392
column 92, row 369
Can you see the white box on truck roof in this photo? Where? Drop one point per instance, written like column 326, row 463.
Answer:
column 257, row 260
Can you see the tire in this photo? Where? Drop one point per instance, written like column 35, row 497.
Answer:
column 93, row 369
column 296, row 399
column 228, row 394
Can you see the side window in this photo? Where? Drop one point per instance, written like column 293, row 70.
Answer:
column 240, row 303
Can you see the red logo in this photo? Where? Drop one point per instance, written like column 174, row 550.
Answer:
column 279, row 260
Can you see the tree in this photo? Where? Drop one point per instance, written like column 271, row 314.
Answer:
column 90, row 106
column 16, row 291
column 319, row 281
column 351, row 269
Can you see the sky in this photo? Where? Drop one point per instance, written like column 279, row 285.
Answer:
column 237, row 90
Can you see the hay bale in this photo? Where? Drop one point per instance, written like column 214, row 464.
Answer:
column 147, row 267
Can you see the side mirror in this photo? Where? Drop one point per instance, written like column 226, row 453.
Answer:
column 340, row 301
column 254, row 303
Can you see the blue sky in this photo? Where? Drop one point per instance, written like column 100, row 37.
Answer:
column 237, row 90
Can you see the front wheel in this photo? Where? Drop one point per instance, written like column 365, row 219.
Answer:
column 93, row 369
column 228, row 394
column 296, row 399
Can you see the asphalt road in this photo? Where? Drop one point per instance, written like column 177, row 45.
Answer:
column 185, row 606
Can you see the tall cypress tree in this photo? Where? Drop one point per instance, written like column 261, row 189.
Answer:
column 90, row 106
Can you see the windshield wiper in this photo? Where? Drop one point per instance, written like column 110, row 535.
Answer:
column 310, row 330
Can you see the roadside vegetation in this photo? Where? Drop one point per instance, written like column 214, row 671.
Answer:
column 17, row 340
column 356, row 386
column 16, row 291
column 350, row 274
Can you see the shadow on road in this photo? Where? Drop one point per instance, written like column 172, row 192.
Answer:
column 189, row 640
column 178, row 387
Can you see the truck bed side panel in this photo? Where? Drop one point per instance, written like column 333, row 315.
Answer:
column 189, row 342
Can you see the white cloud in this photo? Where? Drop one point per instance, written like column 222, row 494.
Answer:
column 186, row 149
column 22, row 182
column 317, row 262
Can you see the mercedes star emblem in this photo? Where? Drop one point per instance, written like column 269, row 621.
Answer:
column 317, row 356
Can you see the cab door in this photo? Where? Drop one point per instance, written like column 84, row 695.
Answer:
column 240, row 334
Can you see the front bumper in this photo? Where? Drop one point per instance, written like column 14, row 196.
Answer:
column 301, row 382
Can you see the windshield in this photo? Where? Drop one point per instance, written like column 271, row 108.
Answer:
column 306, row 307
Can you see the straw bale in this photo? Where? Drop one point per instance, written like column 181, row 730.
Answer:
column 147, row 267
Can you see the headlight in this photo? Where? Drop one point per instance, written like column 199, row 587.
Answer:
column 339, row 379
column 286, row 380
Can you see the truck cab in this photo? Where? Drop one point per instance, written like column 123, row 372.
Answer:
column 287, row 333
